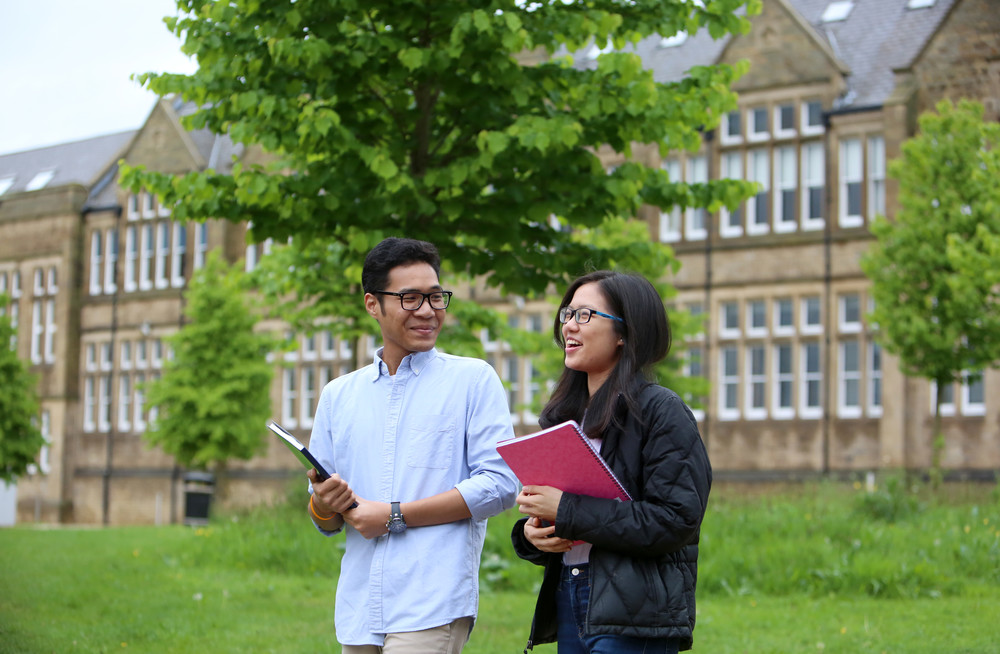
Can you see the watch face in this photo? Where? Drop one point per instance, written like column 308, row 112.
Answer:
column 396, row 525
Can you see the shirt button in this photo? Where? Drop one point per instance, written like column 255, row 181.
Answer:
column 575, row 571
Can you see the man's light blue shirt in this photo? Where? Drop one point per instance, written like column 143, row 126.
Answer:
column 431, row 427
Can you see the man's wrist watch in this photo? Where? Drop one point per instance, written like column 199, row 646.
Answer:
column 395, row 524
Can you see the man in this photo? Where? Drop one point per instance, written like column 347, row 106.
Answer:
column 410, row 442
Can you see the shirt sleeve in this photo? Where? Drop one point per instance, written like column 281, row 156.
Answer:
column 491, row 487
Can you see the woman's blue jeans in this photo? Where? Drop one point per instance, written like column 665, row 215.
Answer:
column 571, row 609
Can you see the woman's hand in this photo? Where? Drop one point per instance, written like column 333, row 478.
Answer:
column 542, row 538
column 540, row 502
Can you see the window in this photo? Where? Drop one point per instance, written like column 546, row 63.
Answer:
column 811, row 316
column 670, row 221
column 812, row 117
column 784, row 120
column 758, row 213
column 146, row 200
column 511, row 381
column 289, row 392
column 919, row 4
column 729, row 384
column 104, row 404
column 874, row 379
column 146, row 249
column 125, row 356
column 947, row 398
column 309, row 347
column 837, row 10
column 876, row 177
column 697, row 173
column 177, row 256
column 49, row 345
column 757, row 318
column 96, row 254
column 784, row 319
column 90, row 358
column 731, row 222
column 89, row 404
column 37, row 331
column 161, row 253
column 133, row 207
column 124, row 403
column 850, row 313
column 849, row 376
column 5, row 183
column 729, row 326
column 110, row 261
column 140, row 354
column 105, row 361
column 813, row 174
column 693, row 367
column 810, row 401
column 40, row 180
column 732, row 128
column 157, row 353
column 786, row 178
column 39, row 285
column 53, row 284
column 973, row 397
column 308, row 401
column 784, row 377
column 131, row 258
column 200, row 245
column 757, row 127
column 139, row 409
column 697, row 311
column 756, row 382
column 851, row 173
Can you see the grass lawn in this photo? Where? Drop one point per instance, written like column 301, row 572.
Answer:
column 267, row 585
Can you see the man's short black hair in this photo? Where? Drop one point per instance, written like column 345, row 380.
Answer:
column 392, row 252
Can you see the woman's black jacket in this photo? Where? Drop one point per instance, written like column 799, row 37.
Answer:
column 644, row 561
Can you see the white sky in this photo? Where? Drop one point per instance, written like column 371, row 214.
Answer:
column 65, row 67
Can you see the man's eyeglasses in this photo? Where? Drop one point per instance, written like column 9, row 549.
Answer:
column 411, row 301
column 582, row 315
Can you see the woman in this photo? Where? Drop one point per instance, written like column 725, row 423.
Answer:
column 629, row 586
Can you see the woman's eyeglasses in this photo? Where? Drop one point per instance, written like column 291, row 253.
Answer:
column 582, row 315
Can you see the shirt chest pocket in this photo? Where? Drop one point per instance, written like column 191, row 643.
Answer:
column 431, row 442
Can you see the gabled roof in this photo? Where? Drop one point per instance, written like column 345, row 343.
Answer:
column 78, row 162
column 877, row 37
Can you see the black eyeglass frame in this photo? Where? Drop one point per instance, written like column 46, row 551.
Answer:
column 423, row 296
column 568, row 312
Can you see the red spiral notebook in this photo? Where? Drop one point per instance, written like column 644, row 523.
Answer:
column 561, row 457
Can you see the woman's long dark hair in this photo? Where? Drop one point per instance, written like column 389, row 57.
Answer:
column 645, row 333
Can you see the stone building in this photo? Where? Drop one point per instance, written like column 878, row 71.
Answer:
column 799, row 386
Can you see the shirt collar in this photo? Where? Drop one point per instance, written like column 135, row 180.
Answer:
column 416, row 361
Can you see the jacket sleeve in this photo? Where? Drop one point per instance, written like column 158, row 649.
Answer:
column 675, row 478
column 523, row 548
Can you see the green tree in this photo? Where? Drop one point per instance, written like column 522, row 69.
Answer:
column 20, row 439
column 214, row 394
column 935, row 268
column 424, row 119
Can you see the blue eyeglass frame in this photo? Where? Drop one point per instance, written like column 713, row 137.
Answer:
column 575, row 315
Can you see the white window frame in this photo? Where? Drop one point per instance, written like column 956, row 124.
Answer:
column 147, row 208
column 89, row 405
column 694, row 366
column 49, row 344
column 754, row 136
column 969, row 406
column 874, row 389
column 53, row 280
column 732, row 168
column 781, row 328
column 39, row 282
column 309, row 349
column 147, row 252
column 724, row 132
column 811, row 129
column 756, row 380
column 200, row 245
column 131, row 258
column 96, row 258
column 110, row 260
column 844, row 324
column 756, row 310
column 670, row 221
column 161, row 254
column 104, row 403
column 697, row 173
column 125, row 355
column 132, row 204
column 813, row 177
column 37, row 331
column 177, row 255
column 307, row 401
column 105, row 361
column 786, row 175
column 139, row 406
column 512, row 380
column 124, row 402
column 156, row 353
column 849, row 379
column 851, row 167
column 808, row 377
column 759, row 170
column 948, row 404
column 781, row 132
column 289, row 395
column 783, row 379
column 729, row 322
column 876, row 176
column 806, row 327
column 729, row 383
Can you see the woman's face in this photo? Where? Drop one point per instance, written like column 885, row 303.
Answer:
column 593, row 347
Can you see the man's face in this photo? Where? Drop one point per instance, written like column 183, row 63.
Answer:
column 405, row 332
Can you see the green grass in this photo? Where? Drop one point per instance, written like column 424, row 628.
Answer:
column 826, row 568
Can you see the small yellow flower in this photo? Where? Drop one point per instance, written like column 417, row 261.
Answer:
column 843, row 630
column 968, row 528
